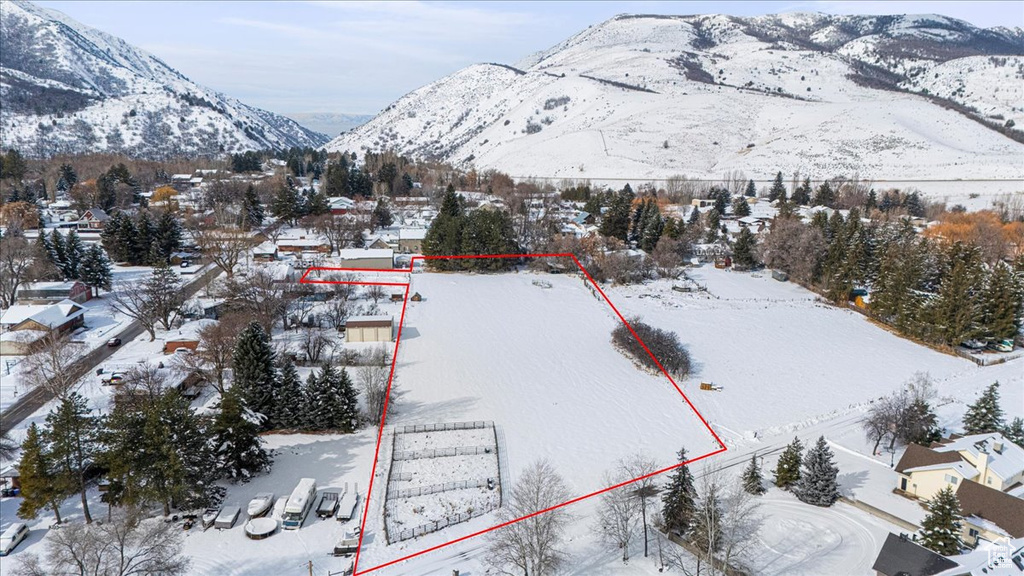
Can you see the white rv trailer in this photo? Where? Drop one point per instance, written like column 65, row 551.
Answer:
column 299, row 504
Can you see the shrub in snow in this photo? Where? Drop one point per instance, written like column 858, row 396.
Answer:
column 664, row 345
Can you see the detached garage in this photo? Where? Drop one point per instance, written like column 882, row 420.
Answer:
column 369, row 329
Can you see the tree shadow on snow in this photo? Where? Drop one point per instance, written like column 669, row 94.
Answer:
column 849, row 481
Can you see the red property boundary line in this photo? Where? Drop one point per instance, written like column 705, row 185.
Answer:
column 398, row 338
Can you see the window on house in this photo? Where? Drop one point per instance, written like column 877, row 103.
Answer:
column 950, row 479
column 972, row 533
column 989, row 481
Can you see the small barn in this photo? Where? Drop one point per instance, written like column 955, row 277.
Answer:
column 367, row 259
column 369, row 329
column 53, row 292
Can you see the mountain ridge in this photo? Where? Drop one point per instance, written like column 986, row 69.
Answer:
column 654, row 96
column 70, row 88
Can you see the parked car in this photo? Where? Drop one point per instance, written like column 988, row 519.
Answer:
column 973, row 344
column 12, row 537
column 114, row 342
column 113, row 378
column 185, row 263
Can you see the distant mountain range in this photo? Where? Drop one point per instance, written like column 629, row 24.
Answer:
column 68, row 88
column 652, row 96
column 329, row 122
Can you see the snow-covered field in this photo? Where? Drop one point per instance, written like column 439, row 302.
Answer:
column 538, row 362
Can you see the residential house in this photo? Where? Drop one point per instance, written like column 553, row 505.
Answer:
column 266, row 252
column 23, row 325
column 988, row 459
column 303, row 244
column 989, row 514
column 901, row 556
column 93, row 219
column 410, row 240
column 340, row 205
column 53, row 292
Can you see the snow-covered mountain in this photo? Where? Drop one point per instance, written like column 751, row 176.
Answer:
column 330, row 122
column 921, row 97
column 68, row 88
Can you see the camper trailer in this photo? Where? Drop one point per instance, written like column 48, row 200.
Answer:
column 299, row 504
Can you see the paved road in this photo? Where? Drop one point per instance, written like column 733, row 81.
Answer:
column 35, row 399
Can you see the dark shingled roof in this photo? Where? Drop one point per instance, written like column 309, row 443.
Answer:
column 906, row 558
column 1000, row 508
column 917, row 455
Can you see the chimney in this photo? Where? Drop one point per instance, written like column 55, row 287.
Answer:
column 997, row 447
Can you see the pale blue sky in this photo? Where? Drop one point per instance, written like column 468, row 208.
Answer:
column 357, row 57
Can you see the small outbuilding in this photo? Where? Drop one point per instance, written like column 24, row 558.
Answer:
column 369, row 329
column 368, row 258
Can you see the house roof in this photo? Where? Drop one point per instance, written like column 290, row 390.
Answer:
column 55, row 286
column 1007, row 462
column 356, row 253
column 917, row 456
column 998, row 507
column 369, row 321
column 978, row 562
column 961, row 467
column 902, row 556
column 96, row 213
column 49, row 315
column 412, row 233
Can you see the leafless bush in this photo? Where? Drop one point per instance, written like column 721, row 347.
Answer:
column 373, row 379
column 126, row 546
column 315, row 343
column 49, row 366
column 664, row 346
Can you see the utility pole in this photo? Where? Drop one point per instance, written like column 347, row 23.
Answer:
column 310, row 568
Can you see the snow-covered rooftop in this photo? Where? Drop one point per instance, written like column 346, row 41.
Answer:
column 356, row 253
column 1007, row 462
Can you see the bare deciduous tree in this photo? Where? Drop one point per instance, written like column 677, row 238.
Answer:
column 18, row 264
column 341, row 230
column 216, row 348
column 225, row 247
column 375, row 292
column 337, row 312
column 315, row 343
column 532, row 545
column 255, row 295
column 373, row 379
column 126, row 546
column 618, row 513
column 49, row 367
column 153, row 301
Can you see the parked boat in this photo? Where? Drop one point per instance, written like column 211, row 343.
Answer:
column 260, row 504
column 209, row 517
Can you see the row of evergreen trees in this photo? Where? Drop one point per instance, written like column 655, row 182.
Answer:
column 937, row 292
column 153, row 447
column 816, row 482
column 273, row 391
column 344, row 178
column 73, row 261
column 142, row 240
column 289, row 203
column 456, row 231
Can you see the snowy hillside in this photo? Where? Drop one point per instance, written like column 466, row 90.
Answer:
column 654, row 96
column 69, row 88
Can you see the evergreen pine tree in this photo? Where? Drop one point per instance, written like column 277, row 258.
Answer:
column 319, row 406
column 721, row 197
column 41, row 486
column 346, row 414
column 288, row 398
column 381, row 217
column 167, row 238
column 45, row 248
column 73, row 254
column 825, row 196
column 236, row 441
column 653, row 227
column 778, row 190
column 940, row 530
column 444, row 237
column 787, row 471
column 253, row 363
column 181, row 467
column 72, row 433
column 985, row 415
column 1002, row 304
column 751, row 190
column 615, row 221
column 142, row 245
column 285, row 204
column 872, row 201
column 802, row 194
column 694, row 217
column 752, row 481
column 252, row 209
column 817, row 484
column 921, row 424
column 1015, row 431
column 678, row 500
column 95, row 270
column 57, row 250
column 713, row 225
column 740, row 208
column 744, row 251
column 954, row 314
